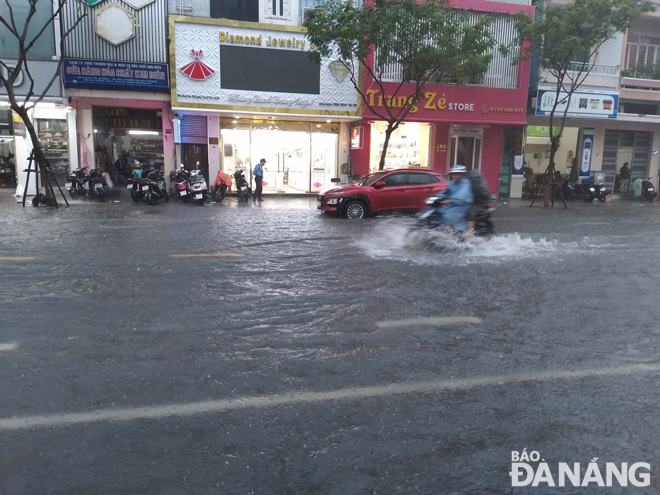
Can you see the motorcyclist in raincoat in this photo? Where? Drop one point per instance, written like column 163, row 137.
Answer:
column 458, row 198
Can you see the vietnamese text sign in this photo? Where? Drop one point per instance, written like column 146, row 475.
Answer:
column 583, row 103
column 102, row 74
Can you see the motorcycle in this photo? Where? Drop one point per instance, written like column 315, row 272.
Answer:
column 587, row 192
column 89, row 185
column 220, row 187
column 648, row 190
column 181, row 188
column 197, row 185
column 154, row 187
column 243, row 189
column 430, row 217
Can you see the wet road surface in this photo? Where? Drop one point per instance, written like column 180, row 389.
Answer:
column 246, row 349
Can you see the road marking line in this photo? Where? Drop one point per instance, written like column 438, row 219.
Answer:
column 16, row 258
column 8, row 347
column 208, row 255
column 224, row 405
column 436, row 321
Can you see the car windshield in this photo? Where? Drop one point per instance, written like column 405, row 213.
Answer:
column 370, row 179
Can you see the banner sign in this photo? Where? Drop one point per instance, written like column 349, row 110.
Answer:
column 101, row 74
column 587, row 149
column 584, row 103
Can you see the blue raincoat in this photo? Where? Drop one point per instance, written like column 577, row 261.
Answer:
column 455, row 213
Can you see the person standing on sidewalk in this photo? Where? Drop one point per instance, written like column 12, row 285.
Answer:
column 258, row 173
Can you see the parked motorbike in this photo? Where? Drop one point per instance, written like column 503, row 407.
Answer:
column 587, row 192
column 222, row 183
column 156, row 189
column 138, row 188
column 243, row 189
column 197, row 185
column 648, row 190
column 182, row 190
column 91, row 185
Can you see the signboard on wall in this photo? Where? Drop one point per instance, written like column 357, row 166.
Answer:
column 19, row 126
column 584, row 103
column 259, row 67
column 105, row 74
column 356, row 137
column 587, row 152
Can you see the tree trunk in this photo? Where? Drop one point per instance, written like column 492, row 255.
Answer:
column 388, row 133
column 39, row 160
column 550, row 172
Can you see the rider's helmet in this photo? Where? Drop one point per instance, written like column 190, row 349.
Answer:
column 458, row 169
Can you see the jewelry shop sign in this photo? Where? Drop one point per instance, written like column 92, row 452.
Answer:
column 255, row 67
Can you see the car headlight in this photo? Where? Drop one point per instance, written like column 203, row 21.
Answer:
column 431, row 200
column 334, row 201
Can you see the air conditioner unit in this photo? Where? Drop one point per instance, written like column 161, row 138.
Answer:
column 307, row 12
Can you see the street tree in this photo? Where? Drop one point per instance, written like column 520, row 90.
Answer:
column 407, row 42
column 22, row 30
column 565, row 33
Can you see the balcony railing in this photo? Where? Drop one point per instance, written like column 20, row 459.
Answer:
column 606, row 70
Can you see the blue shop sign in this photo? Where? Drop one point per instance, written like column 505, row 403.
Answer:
column 104, row 74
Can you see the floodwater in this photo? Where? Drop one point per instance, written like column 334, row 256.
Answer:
column 275, row 310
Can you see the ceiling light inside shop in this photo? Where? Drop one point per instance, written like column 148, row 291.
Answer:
column 95, row 131
column 318, row 125
column 328, row 121
column 143, row 133
column 234, row 121
column 237, row 116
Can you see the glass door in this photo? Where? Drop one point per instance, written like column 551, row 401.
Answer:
column 324, row 160
column 465, row 150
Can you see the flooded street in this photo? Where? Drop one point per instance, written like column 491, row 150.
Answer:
column 246, row 349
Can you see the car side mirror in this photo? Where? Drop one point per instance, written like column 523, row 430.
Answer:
column 379, row 185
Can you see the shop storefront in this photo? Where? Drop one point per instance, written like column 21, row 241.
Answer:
column 450, row 125
column 132, row 137
column 54, row 123
column 254, row 93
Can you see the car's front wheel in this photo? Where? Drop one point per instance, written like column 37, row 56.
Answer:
column 355, row 210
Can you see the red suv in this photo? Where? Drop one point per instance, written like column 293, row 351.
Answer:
column 393, row 190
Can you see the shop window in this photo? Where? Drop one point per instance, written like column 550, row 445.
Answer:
column 278, row 8
column 408, row 146
column 238, row 10
column 54, row 137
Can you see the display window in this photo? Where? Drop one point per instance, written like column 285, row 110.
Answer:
column 300, row 156
column 54, row 138
column 409, row 145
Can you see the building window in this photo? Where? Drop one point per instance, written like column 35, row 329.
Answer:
column 238, row 10
column 44, row 47
column 642, row 53
column 280, row 9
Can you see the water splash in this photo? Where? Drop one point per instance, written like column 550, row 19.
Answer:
column 396, row 240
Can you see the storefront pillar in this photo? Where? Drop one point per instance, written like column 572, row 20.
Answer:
column 360, row 150
column 440, row 148
column 492, row 156
column 213, row 129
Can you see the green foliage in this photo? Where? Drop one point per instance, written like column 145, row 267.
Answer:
column 643, row 71
column 564, row 33
column 424, row 38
